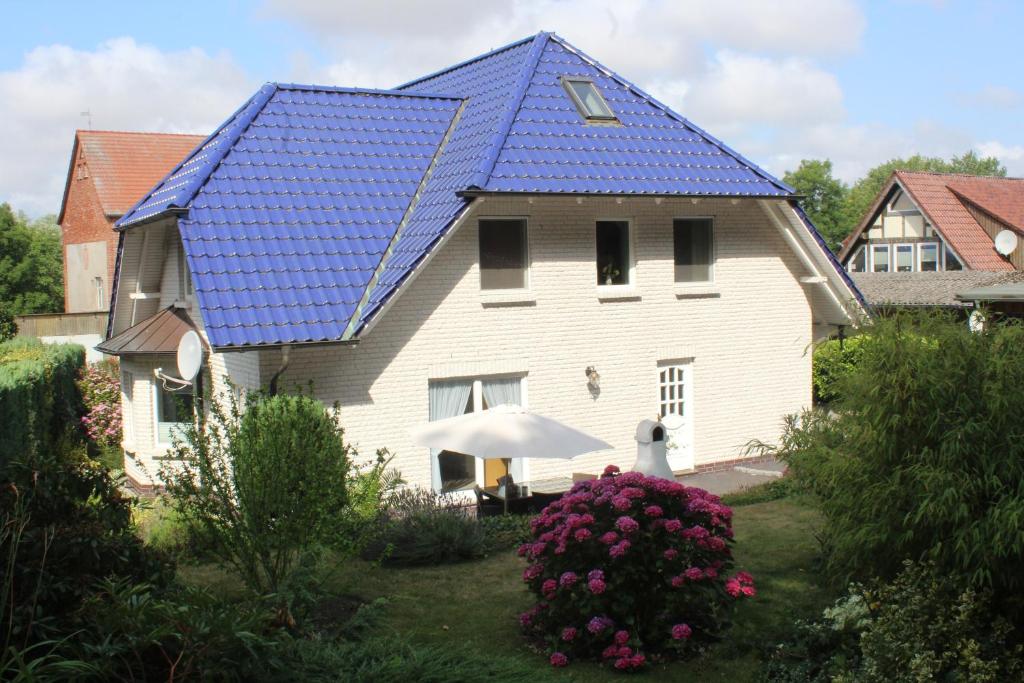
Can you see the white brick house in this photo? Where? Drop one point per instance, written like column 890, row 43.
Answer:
column 713, row 305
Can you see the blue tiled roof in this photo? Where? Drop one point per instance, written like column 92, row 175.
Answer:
column 303, row 214
column 292, row 204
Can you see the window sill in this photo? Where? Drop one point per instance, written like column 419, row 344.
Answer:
column 507, row 297
column 701, row 290
column 617, row 293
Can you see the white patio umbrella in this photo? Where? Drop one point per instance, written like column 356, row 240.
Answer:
column 505, row 432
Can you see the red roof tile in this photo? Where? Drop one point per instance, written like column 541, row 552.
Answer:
column 933, row 195
column 124, row 166
column 1002, row 198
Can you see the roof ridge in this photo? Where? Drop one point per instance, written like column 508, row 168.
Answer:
column 79, row 131
column 527, row 71
column 362, row 91
column 239, row 122
column 945, row 174
column 671, row 112
column 467, row 62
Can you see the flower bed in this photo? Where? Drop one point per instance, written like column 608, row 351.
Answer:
column 629, row 567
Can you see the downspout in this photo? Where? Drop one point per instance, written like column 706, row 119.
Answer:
column 285, row 360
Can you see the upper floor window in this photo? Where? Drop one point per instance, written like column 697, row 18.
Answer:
column 880, row 258
column 184, row 276
column 858, row 262
column 614, row 260
column 952, row 262
column 904, row 258
column 927, row 256
column 693, row 240
column 588, row 99
column 503, row 253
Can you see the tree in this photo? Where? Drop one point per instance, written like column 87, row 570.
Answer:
column 31, row 265
column 823, row 198
column 864, row 191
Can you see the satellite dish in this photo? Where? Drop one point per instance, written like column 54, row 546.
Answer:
column 190, row 355
column 1006, row 242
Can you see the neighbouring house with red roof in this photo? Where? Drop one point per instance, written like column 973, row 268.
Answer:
column 109, row 172
column 924, row 226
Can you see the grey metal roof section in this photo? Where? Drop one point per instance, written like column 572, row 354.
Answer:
column 1009, row 288
column 157, row 334
column 925, row 289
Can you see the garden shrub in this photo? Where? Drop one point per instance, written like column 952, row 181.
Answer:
column 833, row 362
column 100, row 387
column 38, row 396
column 8, row 328
column 138, row 632
column 628, row 567
column 65, row 525
column 922, row 458
column 776, row 489
column 921, row 627
column 262, row 488
column 505, row 532
column 421, row 527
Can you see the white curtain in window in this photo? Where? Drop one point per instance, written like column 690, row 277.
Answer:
column 503, row 391
column 447, row 399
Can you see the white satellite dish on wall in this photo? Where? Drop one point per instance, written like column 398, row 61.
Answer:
column 1006, row 242
column 190, row 355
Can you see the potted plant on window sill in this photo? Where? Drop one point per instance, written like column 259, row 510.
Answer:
column 610, row 272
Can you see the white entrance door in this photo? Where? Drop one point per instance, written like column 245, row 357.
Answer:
column 675, row 401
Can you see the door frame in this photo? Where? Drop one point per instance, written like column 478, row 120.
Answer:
column 684, row 365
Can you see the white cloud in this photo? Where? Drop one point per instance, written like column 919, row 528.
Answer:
column 1011, row 156
column 643, row 39
column 125, row 86
column 741, row 90
column 992, row 97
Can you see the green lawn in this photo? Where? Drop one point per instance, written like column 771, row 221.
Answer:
column 477, row 603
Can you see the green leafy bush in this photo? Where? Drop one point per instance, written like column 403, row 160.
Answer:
column 920, row 627
column 262, row 488
column 133, row 632
column 923, row 456
column 628, row 567
column 65, row 525
column 775, row 489
column 8, row 328
column 833, row 362
column 505, row 532
column 38, row 396
column 420, row 527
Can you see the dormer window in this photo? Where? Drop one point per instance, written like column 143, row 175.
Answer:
column 588, row 99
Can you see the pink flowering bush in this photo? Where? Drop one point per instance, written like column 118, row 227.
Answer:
column 100, row 386
column 648, row 580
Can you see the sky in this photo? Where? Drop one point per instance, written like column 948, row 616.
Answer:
column 855, row 82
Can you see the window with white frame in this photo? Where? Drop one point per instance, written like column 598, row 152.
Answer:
column 693, row 244
column 880, row 258
column 904, row 258
column 951, row 260
column 614, row 257
column 173, row 409
column 927, row 256
column 503, row 253
column 453, row 471
column 97, row 283
column 588, row 99
column 672, row 390
column 858, row 262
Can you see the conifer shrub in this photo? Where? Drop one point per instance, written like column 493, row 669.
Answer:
column 627, row 568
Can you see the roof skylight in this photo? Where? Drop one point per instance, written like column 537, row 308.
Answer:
column 588, row 100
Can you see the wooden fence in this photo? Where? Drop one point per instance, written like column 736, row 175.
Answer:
column 61, row 324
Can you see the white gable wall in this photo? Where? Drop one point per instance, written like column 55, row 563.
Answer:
column 748, row 335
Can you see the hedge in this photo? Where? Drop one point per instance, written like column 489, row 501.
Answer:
column 38, row 396
column 834, row 360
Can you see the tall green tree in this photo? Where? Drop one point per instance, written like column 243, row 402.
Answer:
column 824, row 196
column 864, row 191
column 31, row 267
